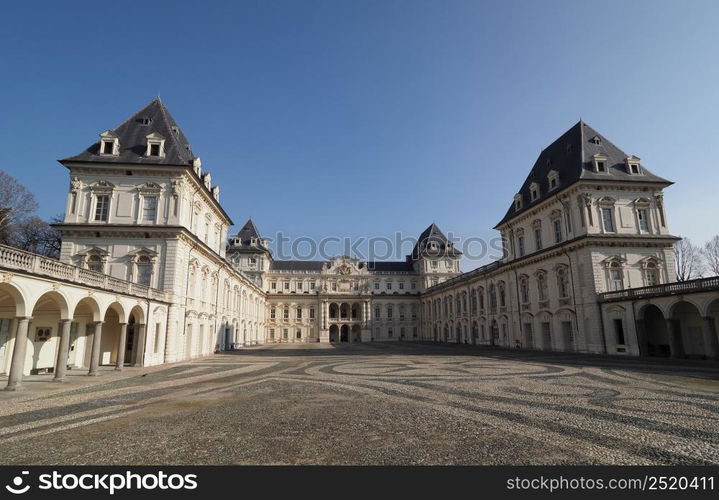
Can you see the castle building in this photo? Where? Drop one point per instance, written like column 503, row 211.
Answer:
column 148, row 272
column 344, row 299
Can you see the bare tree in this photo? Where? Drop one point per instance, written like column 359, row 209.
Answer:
column 37, row 236
column 16, row 204
column 688, row 260
column 711, row 255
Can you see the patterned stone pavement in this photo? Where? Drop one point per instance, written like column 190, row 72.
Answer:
column 372, row 404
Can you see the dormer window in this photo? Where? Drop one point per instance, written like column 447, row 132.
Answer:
column 596, row 140
column 534, row 191
column 633, row 165
column 155, row 145
column 553, row 178
column 109, row 144
column 600, row 163
column 517, row 201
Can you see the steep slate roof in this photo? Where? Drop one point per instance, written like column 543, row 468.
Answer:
column 247, row 232
column 297, row 265
column 571, row 156
column 391, row 266
column 133, row 142
column 433, row 233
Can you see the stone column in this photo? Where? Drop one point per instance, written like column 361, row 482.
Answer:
column 95, row 356
column 62, row 351
column 17, row 366
column 120, row 361
column 711, row 346
column 139, row 345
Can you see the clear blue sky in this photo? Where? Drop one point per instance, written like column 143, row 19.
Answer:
column 362, row 118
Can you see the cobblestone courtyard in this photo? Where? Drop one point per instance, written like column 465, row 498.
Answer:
column 371, row 404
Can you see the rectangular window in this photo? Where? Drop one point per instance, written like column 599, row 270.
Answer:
column 154, row 150
column 608, row 220
column 389, row 285
column 285, row 331
column 286, row 313
column 557, row 230
column 619, row 330
column 273, row 313
column 334, row 287
column 643, row 219
column 272, row 334
column 538, row 238
column 299, row 334
column 299, row 285
column 376, row 285
column 312, row 313
column 107, row 147
column 520, row 245
column 273, row 285
column 389, row 312
column 601, row 167
column 401, row 332
column 102, row 208
column 149, row 209
column 389, row 331
column 287, row 285
column 376, row 312
column 299, row 313
column 413, row 285
column 312, row 286
column 401, row 285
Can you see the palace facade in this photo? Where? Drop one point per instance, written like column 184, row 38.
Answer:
column 149, row 274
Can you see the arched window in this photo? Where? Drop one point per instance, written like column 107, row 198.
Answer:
column 562, row 283
column 144, row 270
column 492, row 298
column 94, row 263
column 502, row 295
column 473, row 300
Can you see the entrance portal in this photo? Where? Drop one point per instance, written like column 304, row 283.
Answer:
column 344, row 333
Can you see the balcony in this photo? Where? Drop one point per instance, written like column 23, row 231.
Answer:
column 19, row 260
column 667, row 289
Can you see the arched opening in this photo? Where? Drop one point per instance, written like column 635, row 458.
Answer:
column 333, row 312
column 687, row 333
column 654, row 338
column 494, row 333
column 356, row 333
column 446, row 333
column 436, row 334
column 82, row 329
column 344, row 333
column 334, row 333
column 344, row 310
column 356, row 312
column 475, row 333
column 458, row 330
column 44, row 333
